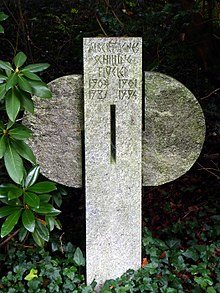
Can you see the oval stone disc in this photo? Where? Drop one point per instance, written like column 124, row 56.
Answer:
column 172, row 140
column 174, row 130
column 57, row 124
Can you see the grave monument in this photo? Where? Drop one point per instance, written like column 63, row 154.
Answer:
column 129, row 141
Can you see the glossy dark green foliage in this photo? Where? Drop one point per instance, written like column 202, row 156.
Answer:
column 35, row 270
column 173, row 266
column 168, row 266
column 26, row 205
column 18, row 82
column 17, row 85
column 14, row 149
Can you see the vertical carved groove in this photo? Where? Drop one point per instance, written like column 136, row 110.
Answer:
column 143, row 104
column 113, row 133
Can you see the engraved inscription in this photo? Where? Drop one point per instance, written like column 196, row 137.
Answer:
column 127, row 94
column 95, row 83
column 114, row 47
column 97, row 94
column 109, row 71
column 127, row 89
column 127, row 83
column 112, row 61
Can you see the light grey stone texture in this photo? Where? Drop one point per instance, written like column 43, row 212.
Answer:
column 172, row 140
column 174, row 129
column 112, row 76
column 57, row 124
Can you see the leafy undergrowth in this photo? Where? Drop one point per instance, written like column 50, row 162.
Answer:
column 172, row 265
column 32, row 269
column 184, row 264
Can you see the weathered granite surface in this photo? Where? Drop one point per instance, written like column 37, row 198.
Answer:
column 174, row 129
column 113, row 135
column 172, row 139
column 57, row 124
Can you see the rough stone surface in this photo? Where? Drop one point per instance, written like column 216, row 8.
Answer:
column 174, row 129
column 172, row 140
column 112, row 78
column 57, row 125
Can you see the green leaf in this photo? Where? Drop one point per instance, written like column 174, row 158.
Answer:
column 12, row 81
column 15, row 202
column 38, row 240
column 20, row 59
column 2, row 127
column 47, row 209
column 20, row 132
column 1, row 29
column 5, row 188
column 5, row 65
column 31, row 75
column 70, row 272
column 43, row 187
column 10, row 124
column 26, row 102
column 24, row 84
column 12, row 104
column 24, row 150
column 57, row 224
column 3, row 16
column 3, row 145
column 210, row 290
column 32, row 176
column 37, row 67
column 3, row 78
column 22, row 234
column 40, row 89
column 45, row 197
column 2, row 91
column 31, row 275
column 78, row 257
column 173, row 243
column 42, row 231
column 10, row 222
column 8, row 210
column 57, row 199
column 50, row 222
column 14, row 193
column 191, row 253
column 28, row 220
column 14, row 164
column 32, row 199
column 8, row 71
column 203, row 281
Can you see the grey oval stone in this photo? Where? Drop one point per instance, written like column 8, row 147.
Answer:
column 174, row 130
column 57, row 124
column 172, row 140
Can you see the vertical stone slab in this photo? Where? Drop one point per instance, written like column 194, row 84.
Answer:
column 113, row 135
